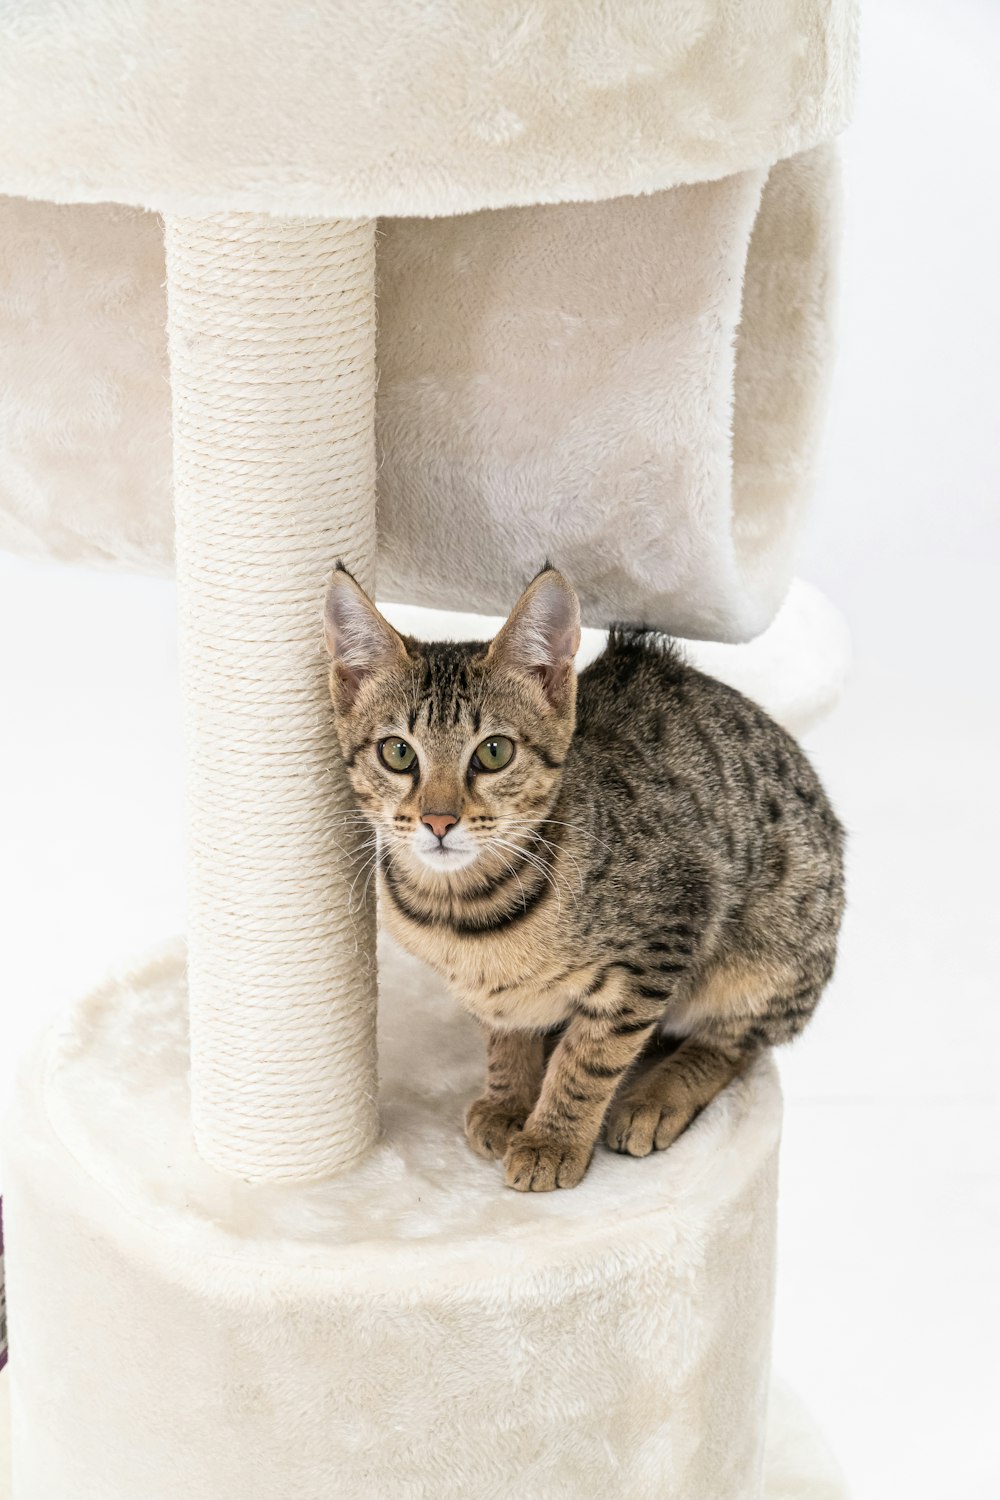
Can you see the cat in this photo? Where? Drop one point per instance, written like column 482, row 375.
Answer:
column 632, row 878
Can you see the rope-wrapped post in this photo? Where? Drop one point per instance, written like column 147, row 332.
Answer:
column 272, row 352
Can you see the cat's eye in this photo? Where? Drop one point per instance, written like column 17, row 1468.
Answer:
column 493, row 754
column 396, row 754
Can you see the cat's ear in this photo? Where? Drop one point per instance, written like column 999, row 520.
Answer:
column 359, row 639
column 542, row 636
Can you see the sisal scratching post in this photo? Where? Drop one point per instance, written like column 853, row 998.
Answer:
column 272, row 351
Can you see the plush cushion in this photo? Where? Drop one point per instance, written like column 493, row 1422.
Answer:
column 412, row 1328
column 629, row 388
column 798, row 1464
column 409, row 106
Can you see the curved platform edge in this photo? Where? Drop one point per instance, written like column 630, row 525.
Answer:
column 376, row 1324
column 798, row 1463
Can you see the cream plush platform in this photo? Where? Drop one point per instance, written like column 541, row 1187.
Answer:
column 555, row 381
column 410, row 107
column 226, row 1341
column 606, row 253
column 797, row 1462
column 177, row 1333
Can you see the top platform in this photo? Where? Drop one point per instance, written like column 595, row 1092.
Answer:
column 410, row 107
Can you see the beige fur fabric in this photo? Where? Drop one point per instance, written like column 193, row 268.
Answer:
column 629, row 388
column 564, row 382
column 85, row 453
column 410, row 107
column 410, row 1328
column 797, row 1462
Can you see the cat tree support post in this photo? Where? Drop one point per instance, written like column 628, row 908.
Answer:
column 272, row 352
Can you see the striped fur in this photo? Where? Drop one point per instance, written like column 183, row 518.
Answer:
column 652, row 889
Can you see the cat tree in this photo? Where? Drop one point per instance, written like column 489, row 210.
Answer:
column 225, row 1278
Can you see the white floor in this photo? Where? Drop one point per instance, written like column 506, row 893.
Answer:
column 888, row 1315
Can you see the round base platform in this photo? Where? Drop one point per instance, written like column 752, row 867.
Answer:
column 411, row 1329
column 798, row 1464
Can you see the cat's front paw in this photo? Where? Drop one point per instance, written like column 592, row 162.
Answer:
column 491, row 1124
column 635, row 1127
column 536, row 1163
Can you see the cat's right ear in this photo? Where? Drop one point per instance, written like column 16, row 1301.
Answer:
column 359, row 639
column 542, row 636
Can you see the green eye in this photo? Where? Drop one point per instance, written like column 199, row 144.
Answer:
column 493, row 754
column 397, row 755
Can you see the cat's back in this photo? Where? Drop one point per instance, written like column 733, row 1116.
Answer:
column 643, row 703
column 642, row 689
column 703, row 795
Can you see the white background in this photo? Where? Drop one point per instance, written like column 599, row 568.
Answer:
column 888, row 1286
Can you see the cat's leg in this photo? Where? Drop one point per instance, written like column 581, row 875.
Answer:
column 558, row 1139
column 655, row 1105
column 662, row 1098
column 515, row 1062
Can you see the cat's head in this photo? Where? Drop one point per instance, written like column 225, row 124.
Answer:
column 454, row 750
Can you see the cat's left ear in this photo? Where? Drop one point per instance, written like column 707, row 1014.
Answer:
column 359, row 638
column 542, row 636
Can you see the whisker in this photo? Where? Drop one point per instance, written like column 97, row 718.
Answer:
column 555, row 849
column 372, row 873
column 510, row 867
column 558, row 849
column 544, row 871
column 369, row 865
column 561, row 823
column 353, row 853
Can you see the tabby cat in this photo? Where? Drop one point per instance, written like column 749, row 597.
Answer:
column 633, row 879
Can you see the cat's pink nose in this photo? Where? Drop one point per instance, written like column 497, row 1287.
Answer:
column 439, row 823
